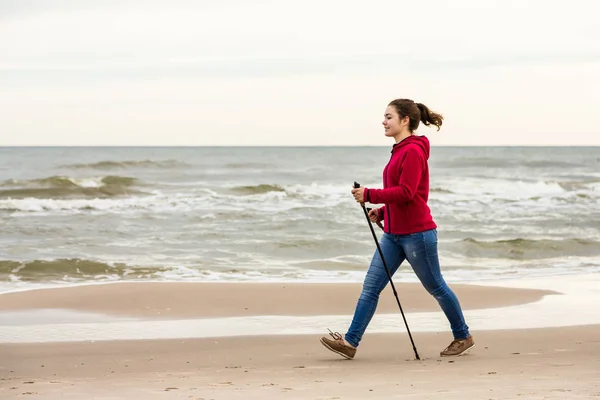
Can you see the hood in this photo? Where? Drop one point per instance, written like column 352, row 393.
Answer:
column 420, row 141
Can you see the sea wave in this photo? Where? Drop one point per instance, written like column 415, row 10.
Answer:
column 115, row 193
column 440, row 190
column 68, row 271
column 128, row 164
column 524, row 249
column 60, row 187
column 247, row 165
column 577, row 185
column 489, row 189
column 72, row 269
column 58, row 181
column 548, row 164
column 485, row 162
column 257, row 189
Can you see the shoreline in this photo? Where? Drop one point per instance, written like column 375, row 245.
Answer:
column 195, row 311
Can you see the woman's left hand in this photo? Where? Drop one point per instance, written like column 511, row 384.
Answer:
column 359, row 194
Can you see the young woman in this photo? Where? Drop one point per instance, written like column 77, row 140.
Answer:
column 409, row 230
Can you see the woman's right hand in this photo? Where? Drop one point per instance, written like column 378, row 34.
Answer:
column 374, row 215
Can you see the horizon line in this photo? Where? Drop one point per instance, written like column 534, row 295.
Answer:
column 291, row 146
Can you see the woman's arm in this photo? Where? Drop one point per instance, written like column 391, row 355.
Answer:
column 412, row 170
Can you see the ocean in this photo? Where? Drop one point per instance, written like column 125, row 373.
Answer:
column 73, row 215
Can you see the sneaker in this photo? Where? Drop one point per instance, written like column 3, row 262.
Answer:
column 458, row 347
column 338, row 345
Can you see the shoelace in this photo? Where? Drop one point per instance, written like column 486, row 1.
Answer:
column 335, row 335
column 455, row 345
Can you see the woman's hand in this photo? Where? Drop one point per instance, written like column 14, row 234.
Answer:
column 374, row 216
column 359, row 194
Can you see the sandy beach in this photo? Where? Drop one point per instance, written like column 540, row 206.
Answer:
column 552, row 362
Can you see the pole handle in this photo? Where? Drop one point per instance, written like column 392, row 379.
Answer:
column 356, row 186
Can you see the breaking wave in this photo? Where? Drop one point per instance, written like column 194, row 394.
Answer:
column 128, row 164
column 523, row 249
column 60, row 187
column 72, row 269
column 257, row 189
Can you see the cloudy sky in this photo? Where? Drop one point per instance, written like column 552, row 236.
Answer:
column 281, row 72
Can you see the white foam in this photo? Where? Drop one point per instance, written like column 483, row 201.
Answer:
column 91, row 182
column 575, row 305
column 472, row 187
column 296, row 196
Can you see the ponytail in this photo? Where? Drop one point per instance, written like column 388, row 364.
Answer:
column 428, row 117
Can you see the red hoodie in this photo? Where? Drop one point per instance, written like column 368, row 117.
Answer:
column 405, row 188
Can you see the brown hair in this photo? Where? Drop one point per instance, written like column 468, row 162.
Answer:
column 416, row 112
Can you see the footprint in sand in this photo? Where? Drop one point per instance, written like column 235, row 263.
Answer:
column 221, row 384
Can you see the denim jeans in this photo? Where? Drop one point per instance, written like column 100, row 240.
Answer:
column 420, row 249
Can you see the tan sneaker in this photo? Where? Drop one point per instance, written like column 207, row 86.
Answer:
column 338, row 345
column 458, row 347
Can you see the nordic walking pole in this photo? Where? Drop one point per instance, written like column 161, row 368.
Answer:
column 356, row 185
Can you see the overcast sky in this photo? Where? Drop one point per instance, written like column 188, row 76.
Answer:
column 260, row 72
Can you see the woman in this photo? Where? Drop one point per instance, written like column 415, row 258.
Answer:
column 409, row 230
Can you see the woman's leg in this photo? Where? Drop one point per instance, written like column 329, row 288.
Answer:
column 375, row 281
column 422, row 254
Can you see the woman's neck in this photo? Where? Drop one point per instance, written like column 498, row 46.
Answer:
column 402, row 136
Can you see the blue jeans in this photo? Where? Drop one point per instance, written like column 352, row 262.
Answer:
column 420, row 249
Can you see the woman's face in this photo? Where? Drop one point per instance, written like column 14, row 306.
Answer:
column 392, row 123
